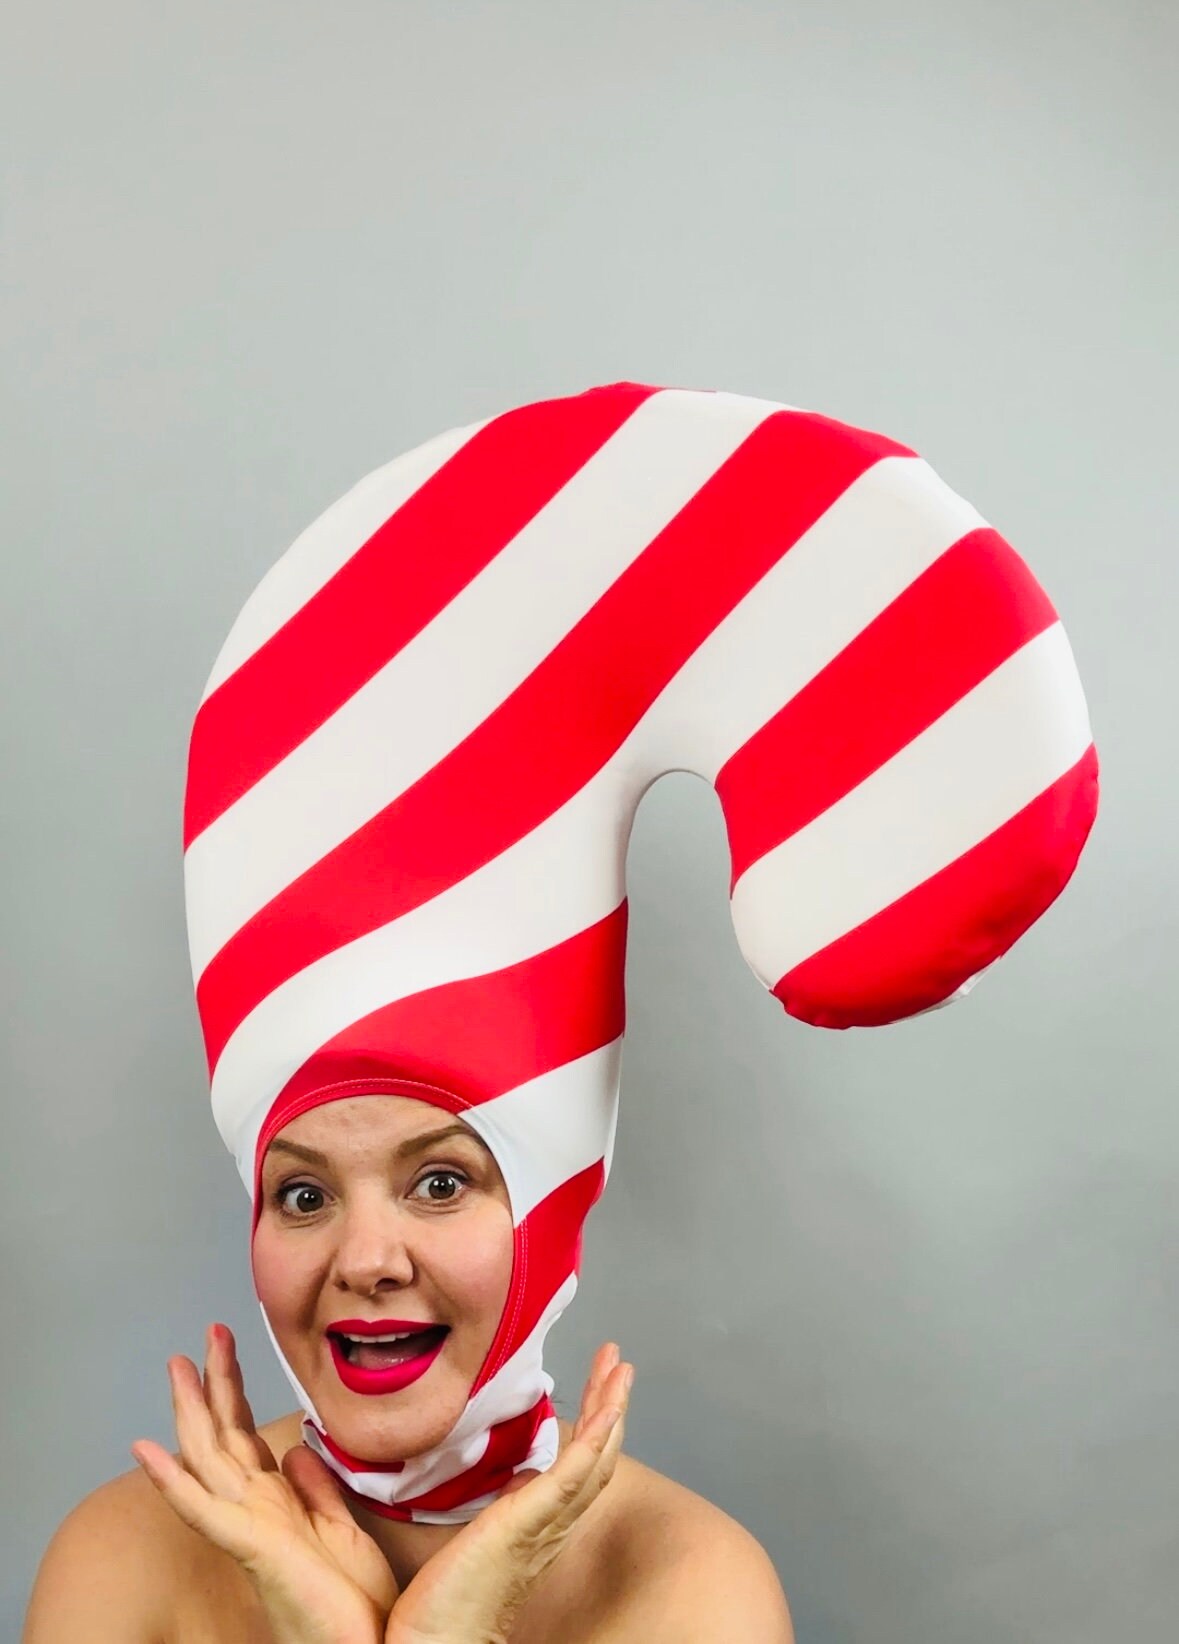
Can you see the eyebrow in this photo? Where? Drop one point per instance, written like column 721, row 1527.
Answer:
column 416, row 1144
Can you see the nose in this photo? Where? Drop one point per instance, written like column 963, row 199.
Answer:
column 375, row 1241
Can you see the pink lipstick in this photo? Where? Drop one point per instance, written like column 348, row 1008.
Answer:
column 391, row 1378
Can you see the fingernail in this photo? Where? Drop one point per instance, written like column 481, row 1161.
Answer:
column 628, row 1381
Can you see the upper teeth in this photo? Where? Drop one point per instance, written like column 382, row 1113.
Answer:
column 360, row 1340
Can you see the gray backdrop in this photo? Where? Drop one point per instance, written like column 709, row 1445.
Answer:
column 900, row 1300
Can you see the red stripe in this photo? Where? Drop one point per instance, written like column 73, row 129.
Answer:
column 357, row 1464
column 523, row 1427
column 918, row 951
column 485, row 1035
column 548, row 1251
column 506, row 1442
column 401, row 1514
column 389, row 590
column 972, row 609
column 544, row 742
column 473, row 1039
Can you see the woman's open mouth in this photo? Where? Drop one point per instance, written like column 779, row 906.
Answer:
column 385, row 1367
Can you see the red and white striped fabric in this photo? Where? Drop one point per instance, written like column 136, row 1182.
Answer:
column 414, row 770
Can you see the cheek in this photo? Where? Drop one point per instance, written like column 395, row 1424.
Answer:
column 276, row 1267
column 481, row 1260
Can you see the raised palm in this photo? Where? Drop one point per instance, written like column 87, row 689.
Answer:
column 476, row 1585
column 321, row 1579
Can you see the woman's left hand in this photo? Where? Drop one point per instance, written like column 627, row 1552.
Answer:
column 473, row 1589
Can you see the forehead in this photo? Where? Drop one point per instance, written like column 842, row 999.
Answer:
column 388, row 1124
column 373, row 1115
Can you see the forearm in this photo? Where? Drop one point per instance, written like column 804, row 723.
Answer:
column 473, row 1623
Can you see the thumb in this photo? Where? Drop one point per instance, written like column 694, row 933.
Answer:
column 314, row 1482
column 519, row 1480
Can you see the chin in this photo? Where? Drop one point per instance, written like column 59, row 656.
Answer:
column 398, row 1425
column 395, row 1414
column 377, row 1436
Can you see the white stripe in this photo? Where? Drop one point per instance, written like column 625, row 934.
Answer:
column 573, row 1108
column 446, row 681
column 328, row 543
column 553, row 1127
column 490, row 919
column 998, row 748
column 331, row 540
column 876, row 538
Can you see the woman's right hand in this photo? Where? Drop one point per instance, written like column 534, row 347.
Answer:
column 320, row 1578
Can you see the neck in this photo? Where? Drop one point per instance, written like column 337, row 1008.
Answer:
column 406, row 1546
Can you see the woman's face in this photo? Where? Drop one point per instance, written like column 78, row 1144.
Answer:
column 379, row 1229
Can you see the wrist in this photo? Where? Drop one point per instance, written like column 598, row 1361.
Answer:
column 456, row 1635
column 289, row 1623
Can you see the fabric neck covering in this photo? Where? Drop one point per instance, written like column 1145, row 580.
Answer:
column 415, row 767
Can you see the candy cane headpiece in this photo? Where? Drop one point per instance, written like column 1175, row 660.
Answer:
column 415, row 766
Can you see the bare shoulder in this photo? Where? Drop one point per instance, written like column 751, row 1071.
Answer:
column 684, row 1569
column 101, row 1576
column 123, row 1560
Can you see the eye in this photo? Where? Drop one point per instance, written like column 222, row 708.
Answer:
column 280, row 1196
column 455, row 1175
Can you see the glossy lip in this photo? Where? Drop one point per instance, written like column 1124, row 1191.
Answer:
column 381, row 1327
column 359, row 1380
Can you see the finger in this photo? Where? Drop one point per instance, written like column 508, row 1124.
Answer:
column 605, row 1385
column 604, row 1430
column 600, row 1369
column 519, row 1480
column 554, row 1500
column 225, row 1394
column 203, row 1454
column 605, row 1435
column 578, row 1476
column 223, row 1522
column 598, row 1430
column 605, row 1359
column 317, row 1486
column 229, row 1401
column 601, row 1386
column 604, row 1365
